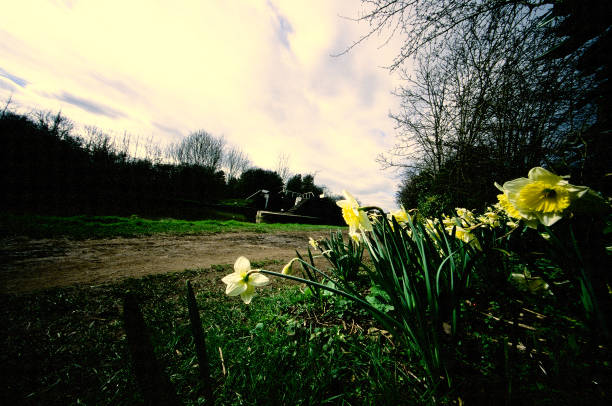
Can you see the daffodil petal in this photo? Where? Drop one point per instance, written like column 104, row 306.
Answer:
column 350, row 198
column 548, row 219
column 242, row 265
column 513, row 187
column 543, row 175
column 577, row 191
column 234, row 289
column 248, row 294
column 257, row 279
column 287, row 268
column 364, row 222
column 232, row 278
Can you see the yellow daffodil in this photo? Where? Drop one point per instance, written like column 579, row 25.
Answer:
column 287, row 268
column 490, row 218
column 542, row 195
column 466, row 215
column 401, row 216
column 355, row 236
column 356, row 219
column 512, row 224
column 374, row 217
column 461, row 228
column 313, row 243
column 504, row 204
column 430, row 226
column 244, row 280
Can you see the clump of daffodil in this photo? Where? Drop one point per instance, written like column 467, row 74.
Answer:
column 542, row 196
column 356, row 219
column 244, row 280
column 490, row 218
column 466, row 215
column 462, row 225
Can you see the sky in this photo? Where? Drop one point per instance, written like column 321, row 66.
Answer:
column 262, row 74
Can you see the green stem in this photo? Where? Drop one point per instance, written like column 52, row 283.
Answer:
column 336, row 291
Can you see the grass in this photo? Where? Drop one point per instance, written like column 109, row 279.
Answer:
column 84, row 226
column 67, row 346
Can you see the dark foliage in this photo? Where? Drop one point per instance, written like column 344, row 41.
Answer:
column 584, row 30
column 49, row 171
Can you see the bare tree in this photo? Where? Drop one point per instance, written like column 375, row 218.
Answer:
column 424, row 120
column 125, row 145
column 434, row 22
column 282, row 167
column 235, row 162
column 490, row 89
column 98, row 142
column 483, row 106
column 6, row 106
column 55, row 123
column 153, row 152
column 198, row 148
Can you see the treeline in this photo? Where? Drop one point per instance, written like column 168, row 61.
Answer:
column 495, row 88
column 48, row 169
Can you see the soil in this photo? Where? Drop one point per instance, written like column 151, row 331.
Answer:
column 28, row 265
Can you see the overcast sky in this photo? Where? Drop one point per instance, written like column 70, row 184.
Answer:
column 260, row 73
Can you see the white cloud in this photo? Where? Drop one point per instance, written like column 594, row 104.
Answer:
column 258, row 72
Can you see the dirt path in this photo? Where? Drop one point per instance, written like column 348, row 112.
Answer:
column 28, row 265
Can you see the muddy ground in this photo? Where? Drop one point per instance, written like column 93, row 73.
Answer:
column 28, row 265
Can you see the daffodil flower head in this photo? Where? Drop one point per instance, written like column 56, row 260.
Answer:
column 506, row 206
column 288, row 268
column 430, row 225
column 355, row 218
column 467, row 237
column 401, row 216
column 461, row 231
column 313, row 243
column 542, row 195
column 466, row 215
column 355, row 236
column 374, row 217
column 244, row 280
column 490, row 218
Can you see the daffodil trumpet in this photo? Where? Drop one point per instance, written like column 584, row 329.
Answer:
column 541, row 197
column 354, row 216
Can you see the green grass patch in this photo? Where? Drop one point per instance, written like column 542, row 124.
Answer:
column 85, row 226
column 67, row 346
